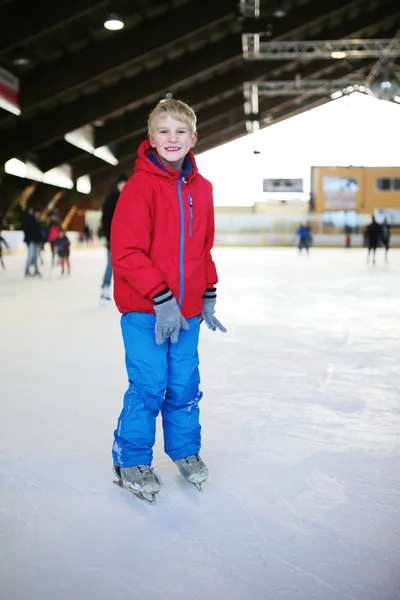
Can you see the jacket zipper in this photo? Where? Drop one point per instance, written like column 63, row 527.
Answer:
column 182, row 243
column 191, row 214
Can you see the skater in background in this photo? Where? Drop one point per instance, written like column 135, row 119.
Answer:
column 347, row 233
column 105, row 230
column 374, row 237
column 3, row 241
column 33, row 239
column 62, row 247
column 52, row 236
column 385, row 236
column 164, row 286
column 310, row 233
column 86, row 235
column 303, row 233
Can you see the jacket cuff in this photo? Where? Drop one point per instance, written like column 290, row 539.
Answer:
column 156, row 290
column 164, row 296
column 210, row 293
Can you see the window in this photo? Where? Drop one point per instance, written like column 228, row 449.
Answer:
column 386, row 184
column 383, row 184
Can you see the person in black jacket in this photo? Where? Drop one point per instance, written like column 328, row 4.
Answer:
column 3, row 241
column 105, row 228
column 374, row 237
column 33, row 239
column 385, row 230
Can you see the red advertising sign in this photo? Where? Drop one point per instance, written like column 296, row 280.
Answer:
column 9, row 92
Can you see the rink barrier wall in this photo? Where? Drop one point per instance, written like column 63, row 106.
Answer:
column 323, row 240
column 15, row 239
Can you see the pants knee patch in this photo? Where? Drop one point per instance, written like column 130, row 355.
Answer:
column 190, row 400
column 148, row 400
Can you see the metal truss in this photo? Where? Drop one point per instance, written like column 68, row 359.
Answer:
column 250, row 8
column 383, row 61
column 253, row 90
column 254, row 48
column 294, row 87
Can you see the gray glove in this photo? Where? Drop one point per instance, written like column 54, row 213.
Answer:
column 169, row 319
column 209, row 301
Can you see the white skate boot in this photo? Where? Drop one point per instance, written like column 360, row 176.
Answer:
column 193, row 470
column 105, row 298
column 140, row 480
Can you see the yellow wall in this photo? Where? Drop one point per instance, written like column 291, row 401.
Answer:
column 368, row 197
column 233, row 209
column 292, row 207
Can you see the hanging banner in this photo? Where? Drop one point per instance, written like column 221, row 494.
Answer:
column 391, row 214
column 282, row 185
column 9, row 92
column 340, row 192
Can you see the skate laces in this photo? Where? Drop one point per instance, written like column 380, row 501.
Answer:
column 145, row 470
column 193, row 459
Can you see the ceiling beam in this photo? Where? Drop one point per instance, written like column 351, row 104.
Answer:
column 124, row 49
column 134, row 90
column 221, row 137
column 125, row 126
column 25, row 136
column 26, row 21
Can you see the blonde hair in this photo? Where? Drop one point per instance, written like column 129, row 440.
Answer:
column 176, row 109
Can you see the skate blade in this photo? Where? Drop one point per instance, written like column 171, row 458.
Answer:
column 149, row 498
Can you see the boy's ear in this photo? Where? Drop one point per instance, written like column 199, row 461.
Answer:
column 193, row 140
column 152, row 143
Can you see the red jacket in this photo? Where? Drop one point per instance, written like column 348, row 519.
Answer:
column 161, row 236
column 53, row 233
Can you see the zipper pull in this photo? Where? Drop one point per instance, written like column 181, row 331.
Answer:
column 190, row 200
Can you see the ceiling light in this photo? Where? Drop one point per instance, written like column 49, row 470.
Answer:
column 337, row 94
column 21, row 61
column 10, row 106
column 114, row 22
column 280, row 11
column 338, row 54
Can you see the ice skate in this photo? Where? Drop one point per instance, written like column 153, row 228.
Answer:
column 193, row 470
column 105, row 297
column 140, row 480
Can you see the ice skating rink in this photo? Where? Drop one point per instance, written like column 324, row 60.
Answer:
column 301, row 424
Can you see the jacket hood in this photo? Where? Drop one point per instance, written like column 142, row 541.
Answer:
column 149, row 161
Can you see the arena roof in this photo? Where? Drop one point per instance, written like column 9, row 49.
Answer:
column 73, row 72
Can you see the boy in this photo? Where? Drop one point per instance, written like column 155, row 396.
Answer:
column 62, row 245
column 164, row 286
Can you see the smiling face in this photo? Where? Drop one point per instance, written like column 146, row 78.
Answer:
column 172, row 140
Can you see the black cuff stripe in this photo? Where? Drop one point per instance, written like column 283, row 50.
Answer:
column 210, row 293
column 164, row 291
column 163, row 296
column 167, row 299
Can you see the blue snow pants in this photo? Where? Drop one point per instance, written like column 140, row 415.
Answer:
column 162, row 378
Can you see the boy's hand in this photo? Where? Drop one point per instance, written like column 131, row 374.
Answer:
column 209, row 301
column 169, row 319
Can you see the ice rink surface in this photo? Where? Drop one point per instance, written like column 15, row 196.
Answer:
column 301, row 423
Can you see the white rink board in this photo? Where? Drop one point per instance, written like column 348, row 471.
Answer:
column 301, row 416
